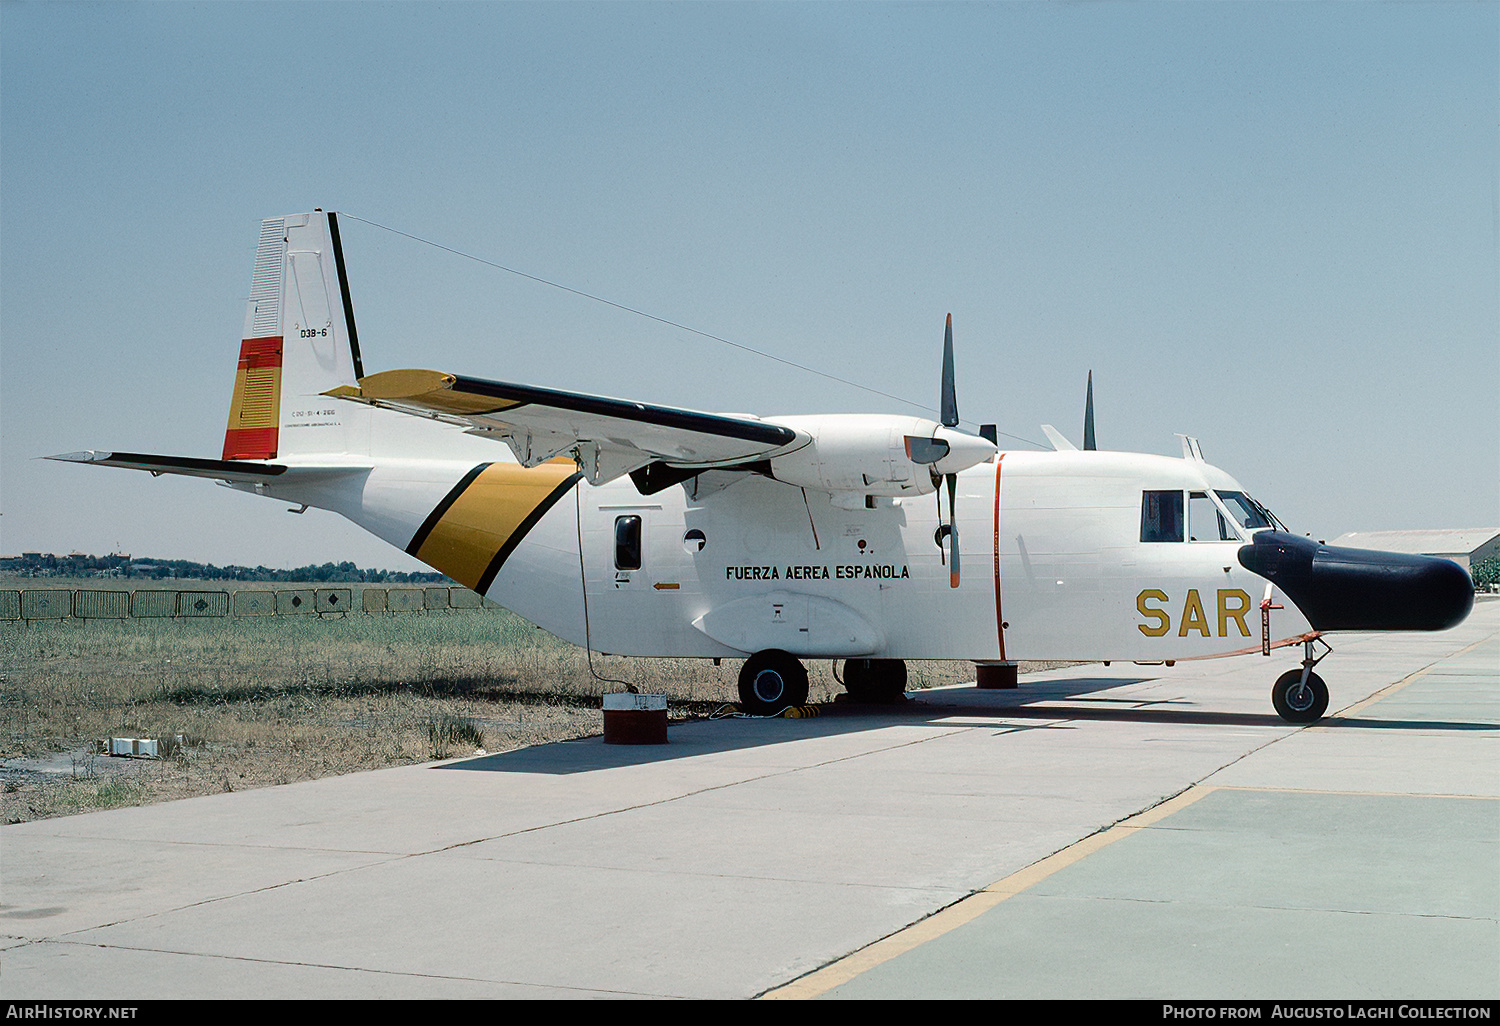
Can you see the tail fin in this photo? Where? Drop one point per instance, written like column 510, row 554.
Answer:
column 299, row 341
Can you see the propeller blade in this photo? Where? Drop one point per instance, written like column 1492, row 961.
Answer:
column 1088, row 416
column 925, row 450
column 953, row 529
column 938, row 494
column 949, row 401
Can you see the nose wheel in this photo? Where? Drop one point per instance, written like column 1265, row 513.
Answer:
column 1299, row 701
column 1300, row 696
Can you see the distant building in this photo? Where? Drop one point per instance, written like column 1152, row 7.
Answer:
column 1465, row 546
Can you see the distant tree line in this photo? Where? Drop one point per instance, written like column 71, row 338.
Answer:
column 39, row 564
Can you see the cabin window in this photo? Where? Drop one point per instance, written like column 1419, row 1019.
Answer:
column 628, row 542
column 1161, row 516
column 1205, row 522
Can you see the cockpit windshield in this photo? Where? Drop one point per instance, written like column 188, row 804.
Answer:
column 1248, row 513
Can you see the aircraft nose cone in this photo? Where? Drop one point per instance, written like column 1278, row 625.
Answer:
column 1341, row 589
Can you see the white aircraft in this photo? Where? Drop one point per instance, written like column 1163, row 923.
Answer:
column 647, row 530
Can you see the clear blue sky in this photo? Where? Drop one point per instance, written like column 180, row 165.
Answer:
column 1270, row 225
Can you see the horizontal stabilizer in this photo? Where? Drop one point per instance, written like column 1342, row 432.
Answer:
column 218, row 470
column 234, row 471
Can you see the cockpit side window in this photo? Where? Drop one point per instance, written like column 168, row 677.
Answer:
column 1161, row 516
column 1205, row 522
column 1250, row 514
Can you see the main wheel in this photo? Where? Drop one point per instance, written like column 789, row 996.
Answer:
column 772, row 680
column 875, row 680
column 1296, row 703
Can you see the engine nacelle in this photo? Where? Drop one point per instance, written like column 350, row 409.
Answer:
column 864, row 454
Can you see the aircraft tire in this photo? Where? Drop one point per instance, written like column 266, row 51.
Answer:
column 1298, row 705
column 772, row 680
column 875, row 680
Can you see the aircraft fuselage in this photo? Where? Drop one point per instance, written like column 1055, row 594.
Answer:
column 728, row 564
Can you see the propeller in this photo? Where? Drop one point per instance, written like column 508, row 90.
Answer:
column 956, row 450
column 949, row 401
column 948, row 404
column 1088, row 416
column 952, row 529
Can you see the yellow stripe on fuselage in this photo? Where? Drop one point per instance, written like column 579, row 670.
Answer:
column 484, row 522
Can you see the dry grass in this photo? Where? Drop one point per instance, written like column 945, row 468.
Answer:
column 271, row 700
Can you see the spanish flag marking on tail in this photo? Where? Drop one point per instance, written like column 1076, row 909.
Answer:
column 469, row 535
column 255, row 410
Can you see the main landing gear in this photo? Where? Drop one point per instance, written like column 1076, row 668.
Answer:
column 1300, row 696
column 772, row 680
column 875, row 680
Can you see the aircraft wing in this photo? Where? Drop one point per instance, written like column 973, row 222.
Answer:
column 659, row 445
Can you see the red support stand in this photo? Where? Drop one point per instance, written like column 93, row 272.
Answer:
column 995, row 675
column 635, row 719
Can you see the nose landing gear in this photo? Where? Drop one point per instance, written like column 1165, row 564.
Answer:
column 1300, row 696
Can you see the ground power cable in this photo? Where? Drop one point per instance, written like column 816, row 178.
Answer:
column 661, row 320
column 583, row 585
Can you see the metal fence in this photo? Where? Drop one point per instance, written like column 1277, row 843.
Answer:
column 153, row 603
column 105, row 604
column 203, row 603
column 101, row 605
column 46, row 604
column 254, row 603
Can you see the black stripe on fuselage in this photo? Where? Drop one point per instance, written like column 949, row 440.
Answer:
column 415, row 545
